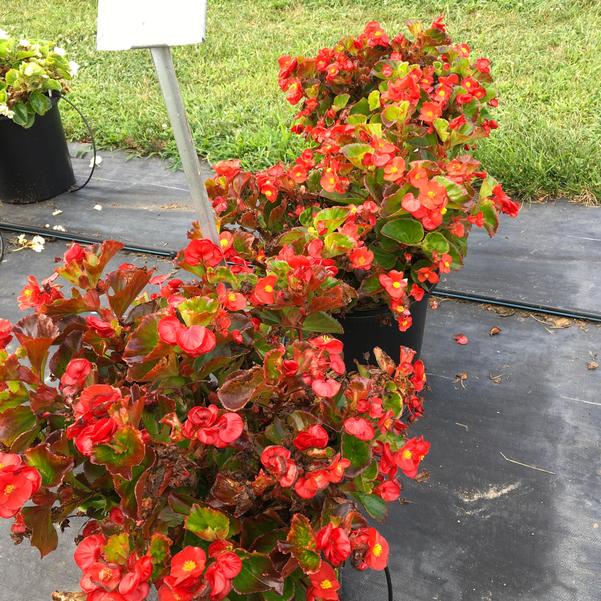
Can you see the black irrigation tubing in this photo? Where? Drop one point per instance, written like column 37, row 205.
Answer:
column 454, row 294
column 76, row 188
column 389, row 584
column 533, row 308
column 47, row 233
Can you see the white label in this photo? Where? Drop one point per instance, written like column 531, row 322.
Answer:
column 125, row 24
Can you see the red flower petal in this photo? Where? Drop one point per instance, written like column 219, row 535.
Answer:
column 460, row 339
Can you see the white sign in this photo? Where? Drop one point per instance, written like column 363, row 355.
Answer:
column 125, row 24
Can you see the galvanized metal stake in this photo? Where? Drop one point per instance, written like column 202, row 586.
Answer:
column 183, row 138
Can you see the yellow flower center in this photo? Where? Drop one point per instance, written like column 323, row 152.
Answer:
column 326, row 584
column 9, row 489
column 223, row 242
column 377, row 550
column 407, row 454
column 396, row 284
column 431, row 193
column 189, row 566
column 393, row 170
column 268, row 288
column 232, row 297
column 361, row 260
column 27, row 292
column 443, row 210
column 268, row 193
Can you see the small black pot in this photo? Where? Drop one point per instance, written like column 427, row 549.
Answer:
column 34, row 162
column 363, row 330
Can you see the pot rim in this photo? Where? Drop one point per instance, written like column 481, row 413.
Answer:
column 381, row 309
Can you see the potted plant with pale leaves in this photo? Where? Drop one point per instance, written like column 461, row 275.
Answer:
column 34, row 157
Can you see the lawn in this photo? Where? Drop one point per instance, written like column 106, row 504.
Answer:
column 546, row 56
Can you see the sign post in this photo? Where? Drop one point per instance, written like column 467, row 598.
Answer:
column 156, row 24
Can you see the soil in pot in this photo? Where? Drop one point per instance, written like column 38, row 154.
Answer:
column 364, row 330
column 34, row 162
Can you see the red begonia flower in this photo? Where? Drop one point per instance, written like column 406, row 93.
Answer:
column 95, row 434
column 360, row 428
column 195, row 340
column 188, row 563
column 418, row 379
column 505, row 203
column 89, row 550
column 228, row 169
column 75, row 253
column 417, row 292
column 310, row 438
column 17, row 485
column 103, row 328
column 411, row 453
column 311, row 483
column 361, row 258
column 209, row 427
column 95, row 401
column 5, row 332
column 432, row 195
column 168, row 327
column 394, row 283
column 276, row 459
column 324, row 584
column 389, row 490
column 229, row 563
column 394, row 170
column 335, row 471
column 483, row 65
column 75, row 375
column 325, row 388
column 294, row 91
column 264, row 292
column 430, row 111
column 377, row 552
column 334, row 543
column 202, row 251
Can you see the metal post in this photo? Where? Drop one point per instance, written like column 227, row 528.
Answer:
column 183, row 138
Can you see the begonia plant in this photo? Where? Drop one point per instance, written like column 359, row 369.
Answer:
column 31, row 73
column 387, row 187
column 203, row 425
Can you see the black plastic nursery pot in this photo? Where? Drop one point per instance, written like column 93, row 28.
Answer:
column 34, row 163
column 364, row 330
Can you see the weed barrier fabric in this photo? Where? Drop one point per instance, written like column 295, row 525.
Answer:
column 483, row 527
column 548, row 255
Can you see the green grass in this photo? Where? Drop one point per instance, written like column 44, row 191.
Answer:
column 546, row 56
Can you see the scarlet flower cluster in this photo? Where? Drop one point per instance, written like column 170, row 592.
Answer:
column 388, row 191
column 188, row 578
column 18, row 483
column 204, row 422
column 111, row 575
